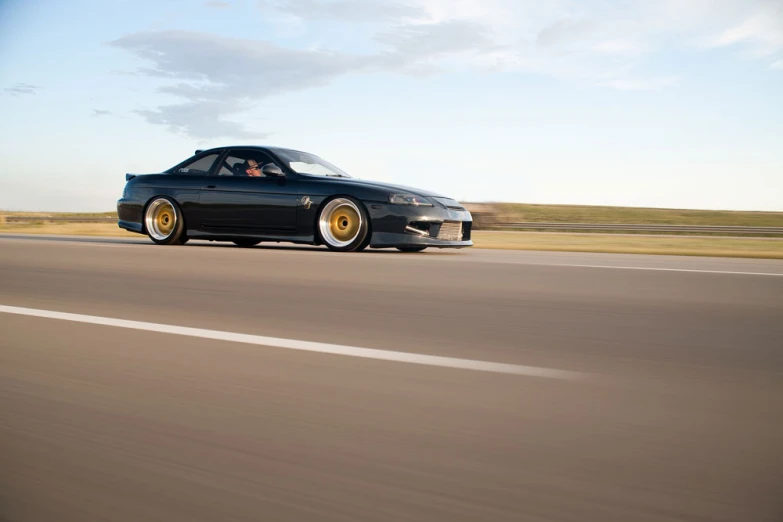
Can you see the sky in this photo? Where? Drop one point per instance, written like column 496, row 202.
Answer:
column 654, row 103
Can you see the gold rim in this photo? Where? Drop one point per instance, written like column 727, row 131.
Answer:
column 340, row 222
column 344, row 223
column 165, row 221
column 161, row 219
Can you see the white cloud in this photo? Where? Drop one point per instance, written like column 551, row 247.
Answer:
column 589, row 43
column 776, row 65
column 650, row 84
column 761, row 31
column 18, row 89
column 439, row 38
column 217, row 77
column 565, row 31
column 345, row 10
column 220, row 76
column 620, row 47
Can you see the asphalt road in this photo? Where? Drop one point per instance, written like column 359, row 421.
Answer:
column 649, row 388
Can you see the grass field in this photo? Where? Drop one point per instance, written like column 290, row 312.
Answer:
column 632, row 244
column 613, row 243
column 61, row 214
column 68, row 229
column 519, row 212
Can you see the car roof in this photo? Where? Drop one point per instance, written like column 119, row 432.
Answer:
column 239, row 146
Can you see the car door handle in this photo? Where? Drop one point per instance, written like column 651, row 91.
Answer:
column 211, row 186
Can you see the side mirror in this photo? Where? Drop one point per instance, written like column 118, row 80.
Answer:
column 270, row 169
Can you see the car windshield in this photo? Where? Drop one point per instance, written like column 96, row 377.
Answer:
column 305, row 163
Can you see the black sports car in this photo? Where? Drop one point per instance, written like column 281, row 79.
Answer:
column 249, row 194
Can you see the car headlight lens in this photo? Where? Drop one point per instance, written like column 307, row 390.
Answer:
column 409, row 199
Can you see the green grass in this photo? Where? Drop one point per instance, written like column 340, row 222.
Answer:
column 67, row 229
column 522, row 212
column 628, row 244
column 60, row 214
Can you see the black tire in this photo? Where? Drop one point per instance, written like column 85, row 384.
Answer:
column 163, row 222
column 411, row 248
column 343, row 225
column 246, row 243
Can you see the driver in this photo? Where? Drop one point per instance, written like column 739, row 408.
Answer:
column 252, row 168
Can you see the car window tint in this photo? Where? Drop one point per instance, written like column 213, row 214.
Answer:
column 234, row 162
column 200, row 166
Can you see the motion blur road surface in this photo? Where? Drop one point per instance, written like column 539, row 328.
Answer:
column 668, row 405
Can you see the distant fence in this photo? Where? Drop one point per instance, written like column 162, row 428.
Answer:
column 487, row 219
column 60, row 219
column 486, row 216
column 641, row 228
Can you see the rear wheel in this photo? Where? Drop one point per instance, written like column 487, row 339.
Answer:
column 163, row 222
column 246, row 243
column 343, row 225
column 411, row 248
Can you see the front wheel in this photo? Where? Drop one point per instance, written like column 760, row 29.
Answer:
column 343, row 225
column 411, row 248
column 163, row 222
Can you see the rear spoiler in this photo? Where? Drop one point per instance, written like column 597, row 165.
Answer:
column 129, row 177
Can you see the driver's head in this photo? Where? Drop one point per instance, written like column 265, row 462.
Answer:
column 252, row 168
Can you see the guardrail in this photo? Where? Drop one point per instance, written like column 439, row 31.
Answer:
column 60, row 219
column 622, row 227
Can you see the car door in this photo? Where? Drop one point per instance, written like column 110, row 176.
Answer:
column 232, row 202
column 185, row 181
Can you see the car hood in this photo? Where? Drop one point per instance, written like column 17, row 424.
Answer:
column 392, row 189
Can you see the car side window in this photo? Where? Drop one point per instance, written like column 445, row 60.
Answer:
column 200, row 167
column 236, row 162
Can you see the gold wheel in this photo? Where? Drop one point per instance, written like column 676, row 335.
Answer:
column 344, row 223
column 341, row 223
column 161, row 219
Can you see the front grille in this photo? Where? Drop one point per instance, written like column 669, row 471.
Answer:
column 450, row 231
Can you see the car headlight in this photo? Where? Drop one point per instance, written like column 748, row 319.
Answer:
column 409, row 199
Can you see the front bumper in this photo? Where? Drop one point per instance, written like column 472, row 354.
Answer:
column 396, row 225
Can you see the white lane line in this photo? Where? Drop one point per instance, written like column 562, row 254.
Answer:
column 770, row 274
column 293, row 344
